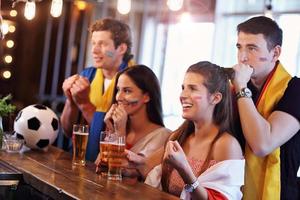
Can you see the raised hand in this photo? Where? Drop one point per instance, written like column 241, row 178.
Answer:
column 120, row 117
column 80, row 90
column 242, row 76
column 67, row 85
column 108, row 119
column 175, row 156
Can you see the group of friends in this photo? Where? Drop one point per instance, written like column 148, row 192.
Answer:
column 240, row 138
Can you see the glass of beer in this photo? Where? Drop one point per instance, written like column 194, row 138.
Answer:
column 79, row 139
column 116, row 157
column 105, row 140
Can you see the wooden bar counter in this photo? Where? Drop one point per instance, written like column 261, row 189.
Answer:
column 53, row 174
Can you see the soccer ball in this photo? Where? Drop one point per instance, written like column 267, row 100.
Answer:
column 37, row 125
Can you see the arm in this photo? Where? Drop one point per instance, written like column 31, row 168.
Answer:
column 80, row 95
column 265, row 135
column 175, row 156
column 262, row 135
column 68, row 117
column 70, row 111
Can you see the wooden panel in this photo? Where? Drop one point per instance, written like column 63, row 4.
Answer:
column 53, row 174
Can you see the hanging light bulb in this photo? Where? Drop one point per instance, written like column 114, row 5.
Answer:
column 1, row 31
column 185, row 17
column 124, row 6
column 4, row 27
column 29, row 11
column 56, row 8
column 268, row 10
column 81, row 5
column 175, row 5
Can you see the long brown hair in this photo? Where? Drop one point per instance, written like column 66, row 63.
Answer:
column 145, row 79
column 215, row 80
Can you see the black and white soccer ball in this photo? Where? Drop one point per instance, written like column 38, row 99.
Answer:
column 38, row 125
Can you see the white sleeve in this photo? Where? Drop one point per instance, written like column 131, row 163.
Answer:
column 226, row 177
column 154, row 177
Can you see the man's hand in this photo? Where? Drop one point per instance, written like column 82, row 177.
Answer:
column 80, row 90
column 67, row 85
column 242, row 75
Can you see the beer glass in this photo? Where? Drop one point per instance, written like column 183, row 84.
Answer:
column 116, row 156
column 105, row 140
column 79, row 139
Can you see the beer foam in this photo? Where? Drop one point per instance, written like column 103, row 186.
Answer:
column 80, row 133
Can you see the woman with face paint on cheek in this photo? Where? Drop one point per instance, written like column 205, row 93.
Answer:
column 137, row 113
column 202, row 156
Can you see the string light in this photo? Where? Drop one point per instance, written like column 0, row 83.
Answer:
column 13, row 13
column 10, row 43
column 11, row 28
column 30, row 8
column 8, row 59
column 124, row 6
column 56, row 8
column 6, row 74
column 29, row 11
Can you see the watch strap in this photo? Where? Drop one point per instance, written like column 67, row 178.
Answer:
column 191, row 187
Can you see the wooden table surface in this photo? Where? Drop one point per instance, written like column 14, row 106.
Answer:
column 52, row 173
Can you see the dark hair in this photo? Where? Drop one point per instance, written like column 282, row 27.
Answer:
column 145, row 79
column 263, row 25
column 215, row 80
column 120, row 32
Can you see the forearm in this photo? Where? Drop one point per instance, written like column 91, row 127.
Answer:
column 189, row 177
column 87, row 110
column 256, row 129
column 68, row 117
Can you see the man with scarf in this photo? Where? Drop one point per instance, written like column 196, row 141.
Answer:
column 268, row 106
column 89, row 94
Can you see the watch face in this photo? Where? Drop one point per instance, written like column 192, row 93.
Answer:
column 188, row 188
column 248, row 92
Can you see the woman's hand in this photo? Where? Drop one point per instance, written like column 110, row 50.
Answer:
column 175, row 156
column 133, row 161
column 120, row 117
column 108, row 119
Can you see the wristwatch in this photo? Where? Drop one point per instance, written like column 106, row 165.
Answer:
column 244, row 92
column 191, row 187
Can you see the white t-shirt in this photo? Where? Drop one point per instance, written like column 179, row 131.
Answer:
column 106, row 83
